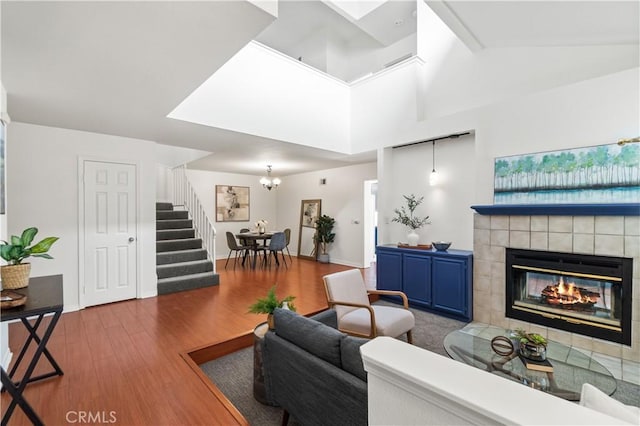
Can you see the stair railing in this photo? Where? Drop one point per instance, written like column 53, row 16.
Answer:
column 185, row 196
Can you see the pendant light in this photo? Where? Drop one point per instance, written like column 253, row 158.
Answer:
column 433, row 178
column 268, row 182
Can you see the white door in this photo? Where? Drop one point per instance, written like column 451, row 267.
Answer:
column 110, row 261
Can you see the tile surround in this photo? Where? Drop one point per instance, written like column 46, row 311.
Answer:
column 601, row 235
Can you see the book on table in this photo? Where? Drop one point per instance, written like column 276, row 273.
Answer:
column 545, row 365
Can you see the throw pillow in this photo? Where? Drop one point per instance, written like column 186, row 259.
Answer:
column 312, row 336
column 594, row 398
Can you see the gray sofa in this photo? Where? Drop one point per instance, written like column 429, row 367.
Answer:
column 313, row 371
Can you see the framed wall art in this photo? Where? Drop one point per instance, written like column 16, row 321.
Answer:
column 598, row 174
column 232, row 203
column 307, row 245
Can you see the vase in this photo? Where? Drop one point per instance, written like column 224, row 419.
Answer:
column 261, row 230
column 533, row 351
column 413, row 238
column 270, row 323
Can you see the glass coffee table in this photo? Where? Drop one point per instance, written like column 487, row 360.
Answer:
column 571, row 368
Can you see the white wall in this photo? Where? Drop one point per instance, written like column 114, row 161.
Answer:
column 5, row 353
column 262, row 203
column 447, row 203
column 265, row 93
column 168, row 157
column 342, row 198
column 458, row 79
column 42, row 178
column 383, row 105
column 591, row 112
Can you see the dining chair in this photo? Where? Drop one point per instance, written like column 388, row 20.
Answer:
column 236, row 248
column 287, row 234
column 277, row 244
column 347, row 294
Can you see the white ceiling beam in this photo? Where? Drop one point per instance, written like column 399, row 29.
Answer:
column 448, row 16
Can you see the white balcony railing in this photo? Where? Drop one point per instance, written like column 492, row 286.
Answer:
column 183, row 195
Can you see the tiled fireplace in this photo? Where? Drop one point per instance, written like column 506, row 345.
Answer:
column 615, row 236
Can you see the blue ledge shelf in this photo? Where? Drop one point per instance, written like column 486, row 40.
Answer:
column 620, row 209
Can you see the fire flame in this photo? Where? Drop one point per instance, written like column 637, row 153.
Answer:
column 568, row 293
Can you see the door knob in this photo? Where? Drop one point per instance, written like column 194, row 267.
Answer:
column 131, row 239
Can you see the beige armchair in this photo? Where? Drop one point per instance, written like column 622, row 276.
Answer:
column 348, row 295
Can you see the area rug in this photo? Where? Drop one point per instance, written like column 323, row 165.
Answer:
column 233, row 373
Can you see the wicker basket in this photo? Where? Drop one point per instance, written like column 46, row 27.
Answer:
column 15, row 276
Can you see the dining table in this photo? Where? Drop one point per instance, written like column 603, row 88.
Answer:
column 252, row 238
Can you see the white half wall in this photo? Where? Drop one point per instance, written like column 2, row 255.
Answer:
column 408, row 385
column 42, row 186
column 265, row 93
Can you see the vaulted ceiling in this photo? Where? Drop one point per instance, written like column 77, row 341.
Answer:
column 120, row 67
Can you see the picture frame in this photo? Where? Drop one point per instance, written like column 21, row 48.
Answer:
column 310, row 211
column 232, row 203
column 597, row 174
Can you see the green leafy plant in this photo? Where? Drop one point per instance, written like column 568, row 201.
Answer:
column 324, row 232
column 534, row 338
column 407, row 218
column 268, row 304
column 19, row 248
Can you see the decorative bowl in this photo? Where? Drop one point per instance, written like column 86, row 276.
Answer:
column 441, row 245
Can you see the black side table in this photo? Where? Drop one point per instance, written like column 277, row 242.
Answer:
column 44, row 297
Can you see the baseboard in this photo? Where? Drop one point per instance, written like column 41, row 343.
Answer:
column 345, row 263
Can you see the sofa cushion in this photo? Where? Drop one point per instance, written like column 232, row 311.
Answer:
column 390, row 321
column 327, row 317
column 351, row 357
column 594, row 398
column 312, row 336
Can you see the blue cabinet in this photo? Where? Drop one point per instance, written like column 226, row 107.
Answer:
column 440, row 282
column 389, row 277
column 451, row 288
column 416, row 279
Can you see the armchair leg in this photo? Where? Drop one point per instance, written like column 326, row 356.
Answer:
column 285, row 417
column 409, row 337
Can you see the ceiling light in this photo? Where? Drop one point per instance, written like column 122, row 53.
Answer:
column 269, row 182
column 433, row 178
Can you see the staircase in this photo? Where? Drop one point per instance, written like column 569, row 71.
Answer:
column 181, row 262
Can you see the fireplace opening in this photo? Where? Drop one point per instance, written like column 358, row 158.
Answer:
column 585, row 294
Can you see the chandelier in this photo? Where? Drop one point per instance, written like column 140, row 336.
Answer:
column 269, row 182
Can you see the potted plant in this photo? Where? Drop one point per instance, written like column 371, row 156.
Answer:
column 268, row 304
column 16, row 273
column 532, row 345
column 406, row 218
column 324, row 236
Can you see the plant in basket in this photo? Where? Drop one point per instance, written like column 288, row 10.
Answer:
column 16, row 273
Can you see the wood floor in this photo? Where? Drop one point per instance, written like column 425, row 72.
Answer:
column 126, row 363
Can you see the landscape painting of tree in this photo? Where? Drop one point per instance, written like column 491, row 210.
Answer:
column 598, row 174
